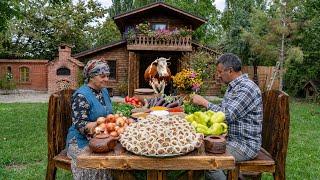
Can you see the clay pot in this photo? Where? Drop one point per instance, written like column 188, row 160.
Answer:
column 102, row 143
column 215, row 144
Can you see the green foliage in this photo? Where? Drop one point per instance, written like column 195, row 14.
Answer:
column 123, row 88
column 44, row 26
column 7, row 82
column 204, row 64
column 298, row 71
column 190, row 108
column 210, row 32
column 8, row 10
column 122, row 108
column 235, row 19
column 80, row 78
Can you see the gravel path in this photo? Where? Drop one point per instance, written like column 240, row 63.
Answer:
column 28, row 96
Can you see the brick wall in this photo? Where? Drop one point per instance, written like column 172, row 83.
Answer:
column 121, row 56
column 37, row 72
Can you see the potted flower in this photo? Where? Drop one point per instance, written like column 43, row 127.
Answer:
column 143, row 28
column 187, row 81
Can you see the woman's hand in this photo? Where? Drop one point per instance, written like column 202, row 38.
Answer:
column 90, row 127
column 199, row 100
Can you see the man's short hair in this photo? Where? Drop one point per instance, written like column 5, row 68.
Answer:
column 229, row 60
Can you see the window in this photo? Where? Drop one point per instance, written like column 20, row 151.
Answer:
column 113, row 70
column 159, row 26
column 128, row 28
column 63, row 71
column 24, row 74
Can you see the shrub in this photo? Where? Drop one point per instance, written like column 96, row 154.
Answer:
column 7, row 82
column 123, row 88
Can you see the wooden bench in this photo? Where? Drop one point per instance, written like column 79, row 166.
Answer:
column 58, row 122
column 271, row 158
column 275, row 135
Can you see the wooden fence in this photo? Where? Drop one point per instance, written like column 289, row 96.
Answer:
column 264, row 76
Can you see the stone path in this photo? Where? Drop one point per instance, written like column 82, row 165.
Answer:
column 28, row 96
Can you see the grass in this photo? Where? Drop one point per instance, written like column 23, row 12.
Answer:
column 23, row 147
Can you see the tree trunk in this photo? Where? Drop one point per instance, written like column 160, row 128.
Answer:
column 281, row 59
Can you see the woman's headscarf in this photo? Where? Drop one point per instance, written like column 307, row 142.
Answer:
column 95, row 67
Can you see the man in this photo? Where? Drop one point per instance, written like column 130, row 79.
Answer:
column 242, row 105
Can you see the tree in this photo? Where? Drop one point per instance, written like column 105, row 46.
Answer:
column 45, row 25
column 209, row 33
column 234, row 19
column 300, row 71
column 270, row 35
column 8, row 10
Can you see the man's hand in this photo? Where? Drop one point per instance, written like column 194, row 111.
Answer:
column 90, row 127
column 199, row 100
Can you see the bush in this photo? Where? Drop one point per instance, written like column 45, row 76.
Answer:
column 297, row 74
column 7, row 82
column 204, row 64
column 123, row 88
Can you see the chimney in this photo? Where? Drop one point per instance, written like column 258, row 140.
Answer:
column 64, row 52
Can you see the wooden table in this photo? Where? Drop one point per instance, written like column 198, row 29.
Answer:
column 124, row 161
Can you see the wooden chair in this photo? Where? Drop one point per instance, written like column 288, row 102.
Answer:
column 275, row 135
column 58, row 122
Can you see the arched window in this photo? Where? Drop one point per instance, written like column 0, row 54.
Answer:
column 63, row 71
column 24, row 74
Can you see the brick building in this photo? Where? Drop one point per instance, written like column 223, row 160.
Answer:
column 27, row 74
column 43, row 75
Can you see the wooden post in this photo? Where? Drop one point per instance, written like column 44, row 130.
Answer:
column 133, row 74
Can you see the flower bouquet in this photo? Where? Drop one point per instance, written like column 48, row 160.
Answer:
column 187, row 81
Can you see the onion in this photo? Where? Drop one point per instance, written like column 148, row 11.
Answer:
column 120, row 121
column 111, row 118
column 114, row 133
column 129, row 121
column 116, row 128
column 116, row 116
column 101, row 120
column 110, row 126
column 120, row 131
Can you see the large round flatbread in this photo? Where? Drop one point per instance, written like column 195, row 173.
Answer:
column 161, row 136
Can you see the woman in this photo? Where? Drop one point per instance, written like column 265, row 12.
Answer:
column 89, row 102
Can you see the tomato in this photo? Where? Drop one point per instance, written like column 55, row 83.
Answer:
column 126, row 99
column 136, row 99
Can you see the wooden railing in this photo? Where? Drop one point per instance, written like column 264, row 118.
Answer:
column 143, row 42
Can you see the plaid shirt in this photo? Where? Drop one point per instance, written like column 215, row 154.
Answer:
column 242, row 105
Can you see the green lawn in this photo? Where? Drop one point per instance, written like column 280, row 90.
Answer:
column 23, row 147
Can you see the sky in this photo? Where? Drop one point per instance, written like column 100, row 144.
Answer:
column 219, row 3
